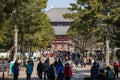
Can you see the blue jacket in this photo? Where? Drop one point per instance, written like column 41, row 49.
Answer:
column 29, row 68
column 15, row 70
column 59, row 68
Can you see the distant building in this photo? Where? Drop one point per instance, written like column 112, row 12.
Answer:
column 60, row 26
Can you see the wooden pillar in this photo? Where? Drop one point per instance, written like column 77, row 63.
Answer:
column 63, row 45
column 55, row 44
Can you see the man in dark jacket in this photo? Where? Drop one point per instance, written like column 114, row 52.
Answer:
column 51, row 72
column 40, row 69
column 46, row 68
column 15, row 70
column 94, row 71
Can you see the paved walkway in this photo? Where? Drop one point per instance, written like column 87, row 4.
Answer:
column 80, row 73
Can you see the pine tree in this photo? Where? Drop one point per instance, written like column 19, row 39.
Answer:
column 93, row 20
column 32, row 23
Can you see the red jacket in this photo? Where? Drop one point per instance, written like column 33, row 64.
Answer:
column 116, row 64
column 69, row 71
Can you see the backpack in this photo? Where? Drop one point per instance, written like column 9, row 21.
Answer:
column 110, row 75
column 13, row 69
column 29, row 68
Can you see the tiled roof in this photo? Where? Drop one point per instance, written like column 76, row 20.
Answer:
column 61, row 30
column 56, row 14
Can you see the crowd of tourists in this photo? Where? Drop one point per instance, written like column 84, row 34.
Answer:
column 99, row 72
column 51, row 71
column 58, row 70
column 61, row 69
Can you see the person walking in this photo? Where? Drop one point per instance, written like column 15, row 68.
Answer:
column 100, row 64
column 29, row 69
column 84, row 61
column 15, row 70
column 81, row 62
column 116, row 68
column 94, row 71
column 73, row 58
column 67, row 72
column 92, row 60
column 40, row 69
column 31, row 62
column 109, row 74
column 78, row 56
column 59, row 70
column 76, row 62
column 51, row 72
column 55, row 63
column 46, row 68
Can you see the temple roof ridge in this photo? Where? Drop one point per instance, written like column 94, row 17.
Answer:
column 56, row 14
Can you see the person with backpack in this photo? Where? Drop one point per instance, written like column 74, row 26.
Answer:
column 29, row 69
column 109, row 74
column 15, row 70
column 40, row 69
column 59, row 71
column 67, row 72
column 94, row 71
column 116, row 68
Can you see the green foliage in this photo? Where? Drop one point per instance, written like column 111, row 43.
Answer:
column 116, row 37
column 32, row 23
column 118, row 54
column 93, row 20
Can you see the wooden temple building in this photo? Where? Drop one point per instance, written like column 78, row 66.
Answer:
column 60, row 26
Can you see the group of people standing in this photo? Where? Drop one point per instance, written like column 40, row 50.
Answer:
column 45, row 70
column 55, row 71
column 77, row 59
column 98, row 72
column 63, row 71
column 29, row 69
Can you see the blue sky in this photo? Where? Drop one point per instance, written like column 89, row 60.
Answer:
column 58, row 3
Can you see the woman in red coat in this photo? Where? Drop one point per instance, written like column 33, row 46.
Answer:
column 116, row 68
column 67, row 72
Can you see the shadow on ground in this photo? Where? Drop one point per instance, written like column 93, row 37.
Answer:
column 80, row 74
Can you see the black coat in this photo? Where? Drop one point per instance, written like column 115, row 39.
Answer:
column 40, row 68
column 51, row 73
